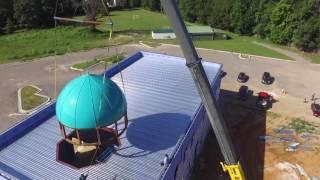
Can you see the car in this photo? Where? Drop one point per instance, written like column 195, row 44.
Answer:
column 242, row 77
column 243, row 93
column 315, row 109
column 223, row 74
column 267, row 78
column 264, row 100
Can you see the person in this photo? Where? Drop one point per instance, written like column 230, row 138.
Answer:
column 313, row 97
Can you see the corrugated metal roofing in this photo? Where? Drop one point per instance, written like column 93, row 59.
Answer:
column 162, row 100
column 162, row 31
column 200, row 29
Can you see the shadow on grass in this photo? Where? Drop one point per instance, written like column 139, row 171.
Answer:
column 246, row 123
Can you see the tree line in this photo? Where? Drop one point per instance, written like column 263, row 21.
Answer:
column 287, row 22
column 17, row 14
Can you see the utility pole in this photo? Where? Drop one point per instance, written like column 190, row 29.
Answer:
column 193, row 62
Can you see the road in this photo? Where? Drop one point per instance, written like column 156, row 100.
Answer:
column 299, row 79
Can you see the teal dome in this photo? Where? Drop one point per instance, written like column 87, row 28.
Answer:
column 90, row 101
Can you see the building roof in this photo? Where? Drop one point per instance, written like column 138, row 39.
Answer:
column 162, row 31
column 200, row 29
column 191, row 29
column 162, row 102
column 90, row 101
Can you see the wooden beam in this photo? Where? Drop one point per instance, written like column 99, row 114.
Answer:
column 79, row 21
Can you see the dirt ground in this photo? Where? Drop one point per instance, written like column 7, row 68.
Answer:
column 261, row 159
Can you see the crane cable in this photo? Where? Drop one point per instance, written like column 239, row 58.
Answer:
column 83, row 176
column 109, row 17
column 55, row 51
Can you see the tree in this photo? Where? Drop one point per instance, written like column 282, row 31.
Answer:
column 203, row 9
column 153, row 5
column 187, row 9
column 92, row 8
column 9, row 28
column 27, row 12
column 243, row 15
column 6, row 12
column 134, row 3
column 282, row 23
column 34, row 13
column 307, row 34
column 220, row 14
column 262, row 18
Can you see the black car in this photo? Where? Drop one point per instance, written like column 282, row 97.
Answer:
column 243, row 93
column 267, row 78
column 242, row 77
column 315, row 109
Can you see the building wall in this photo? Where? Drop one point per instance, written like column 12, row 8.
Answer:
column 163, row 35
column 182, row 164
column 202, row 36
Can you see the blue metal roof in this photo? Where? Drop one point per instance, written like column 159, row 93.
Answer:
column 162, row 101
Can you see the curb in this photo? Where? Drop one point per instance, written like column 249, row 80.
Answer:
column 76, row 69
column 21, row 110
column 142, row 44
column 86, row 69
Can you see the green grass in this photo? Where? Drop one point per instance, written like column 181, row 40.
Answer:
column 40, row 43
column 109, row 60
column 29, row 100
column 237, row 43
column 315, row 58
column 151, row 43
column 240, row 45
column 300, row 126
column 137, row 20
column 129, row 26
column 86, row 64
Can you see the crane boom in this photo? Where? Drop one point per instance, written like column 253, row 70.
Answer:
column 193, row 62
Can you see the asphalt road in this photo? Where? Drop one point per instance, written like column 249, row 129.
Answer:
column 299, row 79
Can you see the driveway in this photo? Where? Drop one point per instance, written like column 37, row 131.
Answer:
column 299, row 79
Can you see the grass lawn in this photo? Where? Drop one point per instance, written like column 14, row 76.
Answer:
column 314, row 58
column 129, row 26
column 302, row 126
column 137, row 20
column 28, row 99
column 109, row 60
column 240, row 44
column 40, row 43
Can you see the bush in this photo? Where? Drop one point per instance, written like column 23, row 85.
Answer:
column 300, row 126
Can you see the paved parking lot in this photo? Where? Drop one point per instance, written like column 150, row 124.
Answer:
column 299, row 79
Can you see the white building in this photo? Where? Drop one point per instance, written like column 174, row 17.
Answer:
column 163, row 34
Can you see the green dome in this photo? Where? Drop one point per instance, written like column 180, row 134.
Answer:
column 90, row 101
